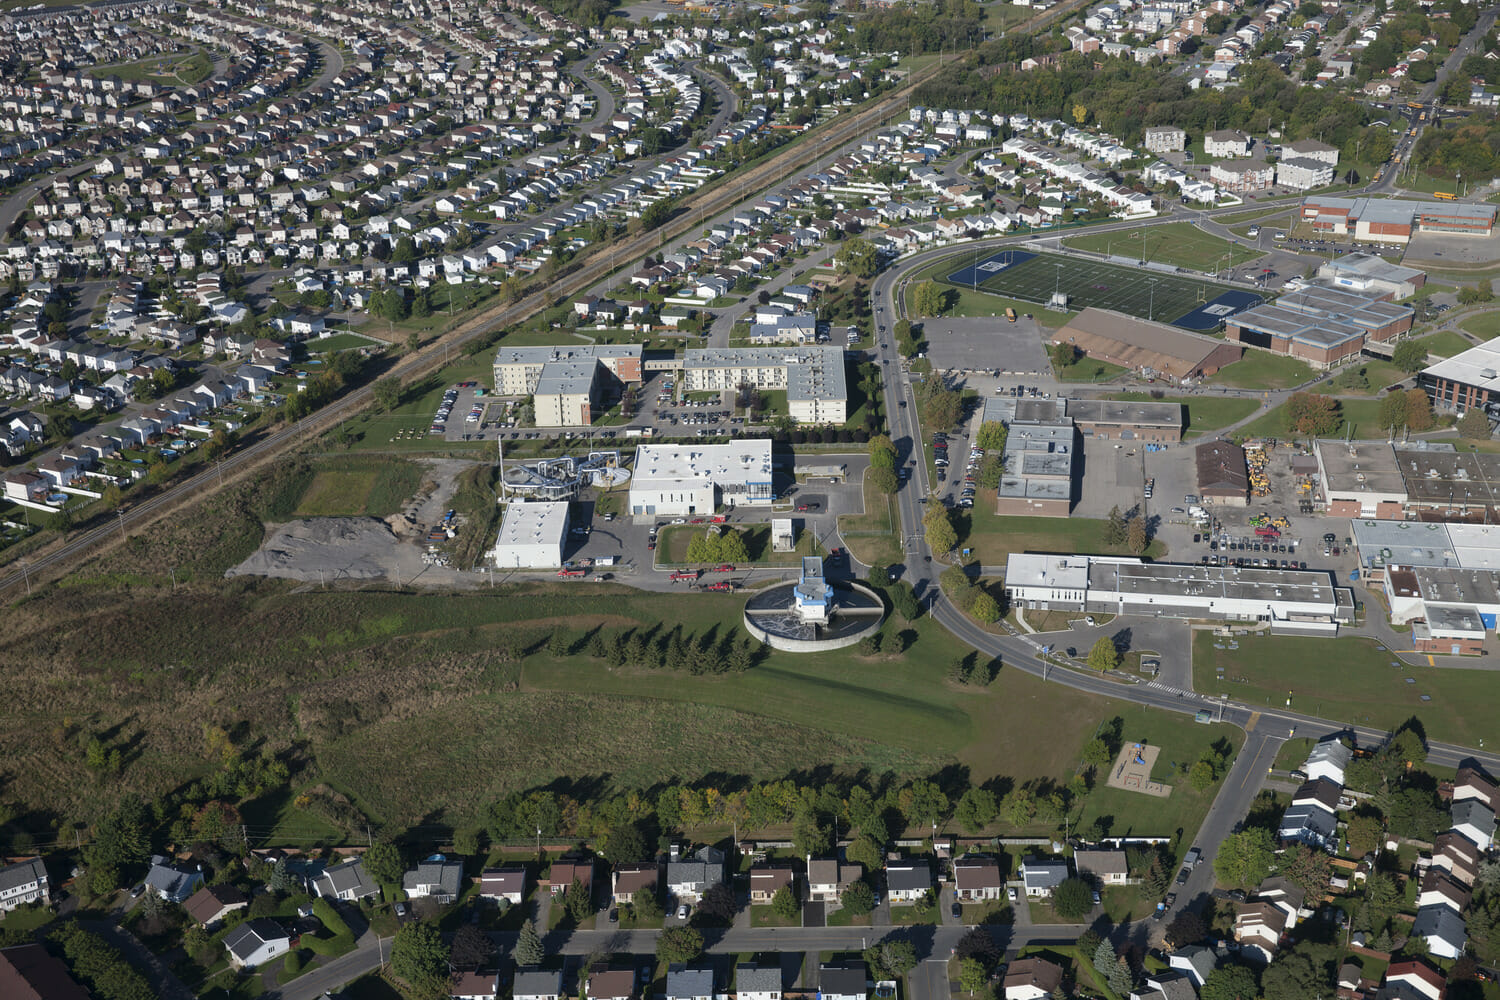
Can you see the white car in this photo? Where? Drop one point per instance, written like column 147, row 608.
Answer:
column 1088, row 620
column 682, row 912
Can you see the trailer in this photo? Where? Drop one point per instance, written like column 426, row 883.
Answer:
column 572, row 574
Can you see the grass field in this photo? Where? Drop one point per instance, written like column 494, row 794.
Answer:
column 341, row 342
column 672, row 545
column 1485, row 326
column 1360, row 416
column 357, row 485
column 994, row 537
column 1263, row 370
column 972, row 302
column 1444, row 344
column 1150, row 295
column 1180, row 244
column 1349, row 680
column 1200, row 415
column 1089, row 370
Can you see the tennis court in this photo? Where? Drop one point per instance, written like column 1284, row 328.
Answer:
column 1136, row 291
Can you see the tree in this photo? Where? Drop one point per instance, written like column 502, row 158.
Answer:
column 1363, row 834
column 857, row 257
column 1073, row 899
column 992, row 436
column 578, row 901
column 645, row 904
column 976, row 809
column 1114, row 527
column 387, row 392
column 883, row 480
column 985, row 608
column 1305, row 867
column 810, row 836
column 1230, row 982
column 1293, row 976
column 718, row 903
column 383, row 862
column 529, row 949
column 679, row 945
column 1119, row 975
column 1136, row 539
column 1409, row 356
column 973, row 977
column 784, row 903
column 927, row 299
column 1312, row 414
column 1393, row 415
column 1474, row 425
column 891, row 958
column 472, row 948
column 858, row 899
column 1244, row 858
column 1064, row 355
column 1186, row 928
column 1418, row 411
column 941, row 536
column 1104, row 655
column 419, row 956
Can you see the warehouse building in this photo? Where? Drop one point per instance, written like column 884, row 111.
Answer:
column 678, row 480
column 1152, row 349
column 1361, row 479
column 1468, row 379
column 1298, row 602
column 1370, row 275
column 567, row 383
column 1395, row 220
column 1223, row 475
column 812, row 377
column 532, row 536
column 1106, row 419
column 1320, row 325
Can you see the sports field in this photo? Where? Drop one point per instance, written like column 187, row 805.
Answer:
column 1144, row 292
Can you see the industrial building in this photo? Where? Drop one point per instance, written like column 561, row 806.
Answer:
column 677, row 480
column 1395, row 220
column 1361, row 479
column 1223, row 475
column 1371, row 275
column 1040, row 449
column 532, row 536
column 1468, row 379
column 1320, row 325
column 567, row 383
column 812, row 377
column 1146, row 347
column 1294, row 602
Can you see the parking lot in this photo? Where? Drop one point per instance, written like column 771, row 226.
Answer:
column 985, row 344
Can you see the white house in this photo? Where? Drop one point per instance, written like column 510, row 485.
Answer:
column 23, row 882
column 256, row 942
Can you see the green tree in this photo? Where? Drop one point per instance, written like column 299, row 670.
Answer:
column 1363, row 833
column 973, row 977
column 984, row 609
column 1244, row 858
column 679, row 945
column 1410, row 356
column 420, row 957
column 941, row 536
column 892, row 958
column 1064, row 355
column 927, row 299
column 1105, row 655
column 529, row 949
column 645, row 904
column 992, row 435
column 1305, row 867
column 857, row 257
column 976, row 809
column 1114, row 527
column 1393, row 411
column 784, row 903
column 1073, row 899
column 1096, row 752
column 1230, row 982
column 1201, row 775
column 579, row 902
column 858, row 899
column 1294, row 975
column 883, row 480
column 383, row 862
column 1120, row 976
column 1186, row 928
column 811, row 837
column 1474, row 425
column 387, row 392
column 1419, row 416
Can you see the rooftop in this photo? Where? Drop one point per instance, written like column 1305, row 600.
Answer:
column 567, row 352
column 811, row 372
column 1322, row 316
column 1360, row 466
column 663, row 465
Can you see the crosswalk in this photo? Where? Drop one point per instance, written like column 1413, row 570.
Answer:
column 1172, row 690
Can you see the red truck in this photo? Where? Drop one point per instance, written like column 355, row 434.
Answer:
column 572, row 573
column 685, row 574
column 721, row 585
column 1266, row 531
column 718, row 519
column 726, row 568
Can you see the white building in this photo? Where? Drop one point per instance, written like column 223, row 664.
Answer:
column 1226, row 142
column 1165, row 139
column 677, row 480
column 532, row 536
column 23, row 882
column 565, row 381
column 256, row 942
column 811, row 377
column 1304, row 174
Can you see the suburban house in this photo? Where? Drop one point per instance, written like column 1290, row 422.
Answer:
column 535, row 984
column 1471, row 784
column 171, row 882
column 28, row 971
column 1443, row 930
column 605, row 983
column 566, row 871
column 843, row 981
column 1102, row 867
column 474, row 985
column 689, row 878
column 827, row 878
column 1439, row 888
column 507, row 883
column 256, row 942
column 1032, row 979
column 1328, row 760
column 1194, row 961
column 212, row 903
column 436, row 878
column 689, row 984
column 630, row 878
column 976, row 878
column 23, row 882
column 1456, row 854
column 1474, row 820
column 1166, row 986
column 757, row 982
column 347, row 881
column 908, row 880
column 1258, row 926
column 766, row 880
column 1042, row 875
column 1420, row 977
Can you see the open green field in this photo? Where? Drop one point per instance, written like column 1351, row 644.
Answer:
column 1088, row 370
column 1263, row 370
column 1485, row 326
column 1444, row 344
column 1349, row 680
column 1150, row 295
column 974, row 302
column 1200, row 414
column 994, row 537
column 1180, row 244
column 341, row 342
column 174, row 68
column 357, row 485
column 1360, row 417
column 672, row 545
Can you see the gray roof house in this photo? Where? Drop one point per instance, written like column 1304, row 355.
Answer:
column 908, row 879
column 1042, row 875
column 1309, row 823
column 256, row 942
column 1328, row 760
column 347, row 881
column 1194, row 961
column 172, row 882
column 535, row 984
column 689, row 878
column 23, row 882
column 436, row 878
column 758, row 982
column 1443, row 929
column 844, row 981
column 689, row 984
column 1474, row 820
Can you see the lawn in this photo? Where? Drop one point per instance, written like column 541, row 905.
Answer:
column 340, row 342
column 1089, row 370
column 870, row 536
column 1485, row 326
column 975, row 302
column 405, row 427
column 1361, row 416
column 1445, row 343
column 994, row 537
column 672, row 545
column 1378, row 374
column 1263, row 370
column 1180, row 244
column 1201, row 415
column 358, row 485
column 1349, row 680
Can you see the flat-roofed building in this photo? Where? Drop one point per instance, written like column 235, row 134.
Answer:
column 1301, row 174
column 1360, row 479
column 812, row 377
column 1226, row 142
column 1451, row 483
column 566, row 382
column 1320, row 325
column 1127, row 420
column 1146, row 347
column 1040, row 450
column 1165, row 139
column 532, row 536
column 1395, row 220
column 1371, row 275
column 670, row 480
column 1467, row 380
column 1300, row 602
column 1410, row 590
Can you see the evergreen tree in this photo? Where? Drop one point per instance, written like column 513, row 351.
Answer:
column 529, row 948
